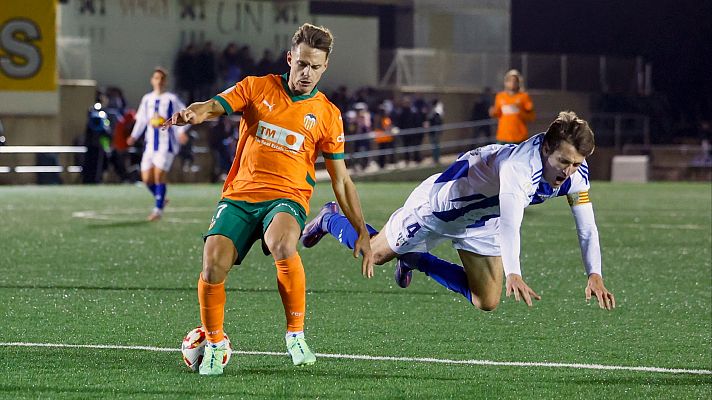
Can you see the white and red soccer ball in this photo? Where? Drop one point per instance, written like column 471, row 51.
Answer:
column 193, row 348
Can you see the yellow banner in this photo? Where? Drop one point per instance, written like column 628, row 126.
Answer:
column 28, row 45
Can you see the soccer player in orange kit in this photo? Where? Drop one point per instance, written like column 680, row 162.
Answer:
column 514, row 109
column 285, row 122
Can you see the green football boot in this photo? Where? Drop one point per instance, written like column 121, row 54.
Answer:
column 213, row 359
column 298, row 349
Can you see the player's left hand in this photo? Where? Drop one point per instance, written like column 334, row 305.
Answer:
column 604, row 297
column 363, row 247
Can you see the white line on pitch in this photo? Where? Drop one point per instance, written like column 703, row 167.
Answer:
column 383, row 358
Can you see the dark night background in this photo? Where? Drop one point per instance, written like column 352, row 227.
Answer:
column 675, row 36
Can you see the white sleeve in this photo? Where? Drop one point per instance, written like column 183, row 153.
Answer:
column 513, row 199
column 588, row 237
column 141, row 123
column 511, row 214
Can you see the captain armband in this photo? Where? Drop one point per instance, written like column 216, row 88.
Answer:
column 577, row 199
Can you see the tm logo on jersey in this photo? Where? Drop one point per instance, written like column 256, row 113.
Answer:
column 278, row 137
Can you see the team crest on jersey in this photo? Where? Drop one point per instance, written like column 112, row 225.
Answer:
column 309, row 121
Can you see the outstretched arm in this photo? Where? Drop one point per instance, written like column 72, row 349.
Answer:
column 347, row 197
column 512, row 212
column 587, row 233
column 195, row 113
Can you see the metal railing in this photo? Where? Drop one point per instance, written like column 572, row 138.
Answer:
column 619, row 129
column 453, row 138
column 437, row 70
column 20, row 169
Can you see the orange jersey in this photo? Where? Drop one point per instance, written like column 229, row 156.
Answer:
column 280, row 136
column 513, row 111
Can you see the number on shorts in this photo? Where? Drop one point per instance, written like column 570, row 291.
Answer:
column 412, row 229
column 220, row 208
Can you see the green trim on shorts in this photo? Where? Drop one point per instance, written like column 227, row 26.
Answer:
column 244, row 222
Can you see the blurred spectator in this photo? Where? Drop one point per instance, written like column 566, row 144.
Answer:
column 185, row 67
column 266, row 64
column 115, row 100
column 480, row 111
column 97, row 139
column 206, row 71
column 340, row 98
column 221, row 142
column 245, row 60
column 186, row 156
column 280, row 65
column 410, row 117
column 350, row 129
column 384, row 136
column 433, row 121
column 513, row 108
column 230, row 69
column 363, row 126
column 119, row 148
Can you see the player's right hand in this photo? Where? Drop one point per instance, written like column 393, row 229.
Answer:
column 516, row 285
column 183, row 117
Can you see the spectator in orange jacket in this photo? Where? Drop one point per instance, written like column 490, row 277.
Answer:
column 513, row 108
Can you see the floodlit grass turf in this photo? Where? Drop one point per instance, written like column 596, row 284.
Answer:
column 115, row 279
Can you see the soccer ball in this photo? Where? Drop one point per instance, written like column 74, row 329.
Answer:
column 193, row 348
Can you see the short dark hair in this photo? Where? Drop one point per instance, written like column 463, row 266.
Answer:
column 314, row 36
column 571, row 129
column 161, row 71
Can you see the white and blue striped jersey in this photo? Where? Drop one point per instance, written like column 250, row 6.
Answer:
column 467, row 194
column 153, row 111
column 470, row 194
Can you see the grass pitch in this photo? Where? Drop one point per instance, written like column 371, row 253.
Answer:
column 79, row 265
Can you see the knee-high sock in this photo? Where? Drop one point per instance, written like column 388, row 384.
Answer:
column 151, row 188
column 212, row 308
column 450, row 275
column 292, row 288
column 160, row 195
column 340, row 228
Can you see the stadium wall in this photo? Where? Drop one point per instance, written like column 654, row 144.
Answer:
column 129, row 38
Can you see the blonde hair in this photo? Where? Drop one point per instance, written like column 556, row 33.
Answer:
column 515, row 72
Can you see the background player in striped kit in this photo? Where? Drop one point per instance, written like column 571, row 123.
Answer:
column 478, row 204
column 162, row 145
column 286, row 121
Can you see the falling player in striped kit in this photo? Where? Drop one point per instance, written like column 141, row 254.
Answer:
column 478, row 204
column 285, row 123
column 162, row 145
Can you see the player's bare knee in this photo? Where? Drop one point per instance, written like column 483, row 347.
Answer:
column 484, row 303
column 380, row 258
column 281, row 249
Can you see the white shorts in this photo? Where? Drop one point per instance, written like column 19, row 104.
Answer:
column 159, row 159
column 406, row 232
